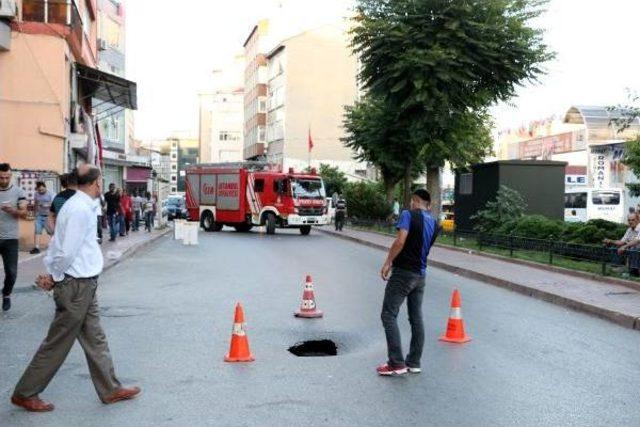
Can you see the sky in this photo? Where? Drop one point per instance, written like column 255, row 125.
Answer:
column 173, row 47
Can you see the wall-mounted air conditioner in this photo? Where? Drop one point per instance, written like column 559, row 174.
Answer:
column 8, row 9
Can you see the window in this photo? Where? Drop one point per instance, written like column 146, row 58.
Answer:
column 174, row 156
column 261, row 134
column 51, row 11
column 262, row 105
column 259, row 186
column 174, row 178
column 575, row 200
column 174, row 145
column 605, row 198
column 466, row 184
column 174, row 189
column 174, row 167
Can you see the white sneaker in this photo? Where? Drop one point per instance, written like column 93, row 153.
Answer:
column 414, row 370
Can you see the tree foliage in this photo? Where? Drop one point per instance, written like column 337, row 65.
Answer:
column 334, row 179
column 508, row 205
column 366, row 200
column 432, row 68
column 628, row 113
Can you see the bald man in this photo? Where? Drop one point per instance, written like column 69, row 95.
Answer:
column 74, row 262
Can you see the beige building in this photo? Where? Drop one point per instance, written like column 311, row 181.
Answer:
column 48, row 78
column 311, row 78
column 255, row 91
column 221, row 118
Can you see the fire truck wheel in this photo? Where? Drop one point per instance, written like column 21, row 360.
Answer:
column 271, row 223
column 305, row 230
column 207, row 222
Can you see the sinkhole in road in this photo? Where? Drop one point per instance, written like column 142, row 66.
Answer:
column 314, row 348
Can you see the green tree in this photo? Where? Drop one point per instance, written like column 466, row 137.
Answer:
column 365, row 200
column 334, row 179
column 434, row 63
column 508, row 205
column 374, row 134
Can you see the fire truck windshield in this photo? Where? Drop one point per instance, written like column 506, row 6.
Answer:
column 307, row 189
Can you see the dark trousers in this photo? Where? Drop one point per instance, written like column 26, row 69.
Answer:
column 9, row 252
column 136, row 220
column 148, row 220
column 113, row 225
column 99, row 226
column 403, row 284
column 122, row 225
column 339, row 220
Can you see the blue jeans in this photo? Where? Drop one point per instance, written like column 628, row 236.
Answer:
column 113, row 225
column 148, row 220
column 403, row 284
column 122, row 225
column 136, row 220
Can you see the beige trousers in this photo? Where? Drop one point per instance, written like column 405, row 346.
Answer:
column 77, row 317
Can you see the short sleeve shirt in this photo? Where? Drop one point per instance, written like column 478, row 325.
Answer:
column 629, row 235
column 43, row 203
column 11, row 196
column 60, row 199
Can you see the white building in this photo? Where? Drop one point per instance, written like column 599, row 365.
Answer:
column 221, row 123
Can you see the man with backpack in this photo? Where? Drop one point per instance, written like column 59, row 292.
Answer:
column 405, row 270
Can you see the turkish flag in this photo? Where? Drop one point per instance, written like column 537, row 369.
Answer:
column 310, row 142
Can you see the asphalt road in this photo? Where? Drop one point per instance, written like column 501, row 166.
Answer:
column 168, row 314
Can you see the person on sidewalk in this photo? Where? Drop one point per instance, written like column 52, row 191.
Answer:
column 341, row 213
column 126, row 207
column 149, row 212
column 406, row 263
column 136, row 204
column 112, row 199
column 69, row 185
column 74, row 262
column 42, row 203
column 13, row 206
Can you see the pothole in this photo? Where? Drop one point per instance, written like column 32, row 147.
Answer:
column 314, row 348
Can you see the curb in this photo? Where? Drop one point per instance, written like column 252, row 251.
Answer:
column 602, row 313
column 553, row 268
column 134, row 249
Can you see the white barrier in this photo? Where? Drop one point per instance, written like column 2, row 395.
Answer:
column 190, row 233
column 178, row 228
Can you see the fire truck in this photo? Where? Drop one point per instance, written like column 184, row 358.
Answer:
column 245, row 194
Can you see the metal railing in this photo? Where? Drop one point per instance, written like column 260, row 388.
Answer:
column 593, row 258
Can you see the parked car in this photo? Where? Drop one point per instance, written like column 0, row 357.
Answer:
column 174, row 207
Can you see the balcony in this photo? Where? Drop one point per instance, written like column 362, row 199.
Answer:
column 63, row 14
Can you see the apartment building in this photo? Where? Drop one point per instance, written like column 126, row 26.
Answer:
column 311, row 78
column 48, row 79
column 255, row 91
column 221, row 123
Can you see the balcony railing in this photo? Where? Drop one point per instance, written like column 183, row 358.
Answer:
column 62, row 12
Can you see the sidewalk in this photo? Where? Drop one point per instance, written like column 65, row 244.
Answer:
column 30, row 266
column 613, row 302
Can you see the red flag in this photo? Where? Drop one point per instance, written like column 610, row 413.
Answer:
column 310, row 141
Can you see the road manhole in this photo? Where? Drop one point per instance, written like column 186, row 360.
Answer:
column 314, row 348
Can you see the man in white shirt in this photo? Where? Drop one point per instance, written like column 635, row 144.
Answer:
column 73, row 261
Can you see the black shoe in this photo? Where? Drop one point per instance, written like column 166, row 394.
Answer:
column 113, row 239
column 6, row 303
column 34, row 251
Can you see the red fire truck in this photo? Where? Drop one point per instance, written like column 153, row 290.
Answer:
column 245, row 194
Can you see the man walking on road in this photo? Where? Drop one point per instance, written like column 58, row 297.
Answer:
column 42, row 200
column 341, row 213
column 73, row 261
column 13, row 206
column 417, row 231
column 112, row 199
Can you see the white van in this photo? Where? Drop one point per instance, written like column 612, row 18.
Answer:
column 584, row 204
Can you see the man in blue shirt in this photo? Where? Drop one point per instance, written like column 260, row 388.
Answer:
column 406, row 263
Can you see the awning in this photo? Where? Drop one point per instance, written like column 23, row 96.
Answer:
column 108, row 88
column 138, row 174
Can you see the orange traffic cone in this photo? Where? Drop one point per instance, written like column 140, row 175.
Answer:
column 239, row 350
column 308, row 308
column 455, row 327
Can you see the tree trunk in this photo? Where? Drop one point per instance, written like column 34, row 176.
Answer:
column 433, row 187
column 389, row 190
column 408, row 180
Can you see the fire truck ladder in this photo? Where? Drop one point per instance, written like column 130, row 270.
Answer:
column 249, row 165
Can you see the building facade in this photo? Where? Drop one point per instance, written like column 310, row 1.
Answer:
column 48, row 78
column 183, row 151
column 587, row 138
column 221, row 123
column 307, row 92
column 255, row 92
